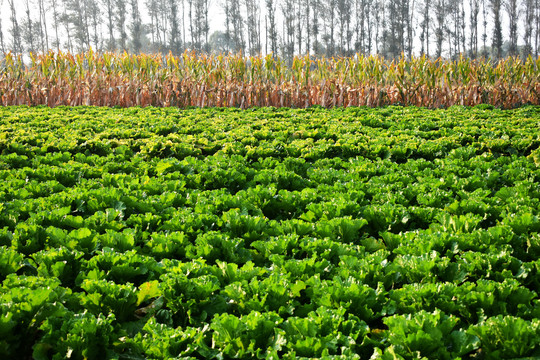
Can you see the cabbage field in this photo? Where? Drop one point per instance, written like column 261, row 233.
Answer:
column 219, row 233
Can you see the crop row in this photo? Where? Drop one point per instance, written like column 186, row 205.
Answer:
column 159, row 233
column 235, row 81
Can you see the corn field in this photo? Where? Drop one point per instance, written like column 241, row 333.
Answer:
column 108, row 79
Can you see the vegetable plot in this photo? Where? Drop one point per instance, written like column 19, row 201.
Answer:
column 392, row 233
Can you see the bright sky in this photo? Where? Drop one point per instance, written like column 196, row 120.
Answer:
column 216, row 16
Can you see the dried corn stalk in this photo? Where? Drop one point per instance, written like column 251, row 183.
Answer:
column 125, row 80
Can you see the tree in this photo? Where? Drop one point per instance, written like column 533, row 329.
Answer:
column 76, row 16
column 380, row 19
column 15, row 29
column 483, row 52
column 456, row 30
column 136, row 27
column 408, row 16
column 299, row 9
column 537, row 26
column 163, row 22
column 217, row 42
column 28, row 30
column 287, row 47
column 198, row 23
column 204, row 25
column 343, row 9
column 529, row 22
column 329, row 12
column 234, row 25
column 94, row 13
column 2, row 45
column 440, row 10
column 43, row 31
column 473, row 25
column 307, row 19
column 175, row 43
column 120, row 18
column 363, row 26
column 316, row 26
column 110, row 17
column 425, row 27
column 393, row 34
column 65, row 21
column 56, row 20
column 497, row 31
column 271, row 30
column 253, row 23
column 512, row 11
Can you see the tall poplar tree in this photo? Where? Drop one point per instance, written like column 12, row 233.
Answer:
column 110, row 18
column 53, row 4
column 497, row 40
column 287, row 47
column 15, row 30
column 43, row 31
column 135, row 27
column 120, row 17
column 511, row 7
column 425, row 26
column 2, row 45
column 30, row 34
column 271, row 30
column 343, row 10
column 175, row 43
column 473, row 26
column 440, row 11
column 252, row 24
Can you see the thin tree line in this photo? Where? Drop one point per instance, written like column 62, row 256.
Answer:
column 436, row 28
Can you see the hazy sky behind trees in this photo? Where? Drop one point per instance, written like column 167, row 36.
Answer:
column 445, row 28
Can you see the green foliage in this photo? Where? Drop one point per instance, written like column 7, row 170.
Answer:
column 395, row 233
column 429, row 335
column 508, row 337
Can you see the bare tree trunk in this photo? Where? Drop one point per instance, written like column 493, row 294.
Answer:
column 527, row 36
column 43, row 26
column 121, row 23
column 484, row 27
column 410, row 28
column 513, row 16
column 2, row 45
column 331, row 25
column 315, row 29
column 343, row 10
column 440, row 17
column 473, row 43
column 308, row 26
column 174, row 38
column 379, row 21
column 65, row 20
column 287, row 9
column 136, row 27
column 497, row 30
column 111, row 46
column 299, row 26
column 15, row 29
column 86, row 23
column 28, row 30
column 537, row 31
column 94, row 18
column 191, row 21
column 252, row 16
column 56, row 19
